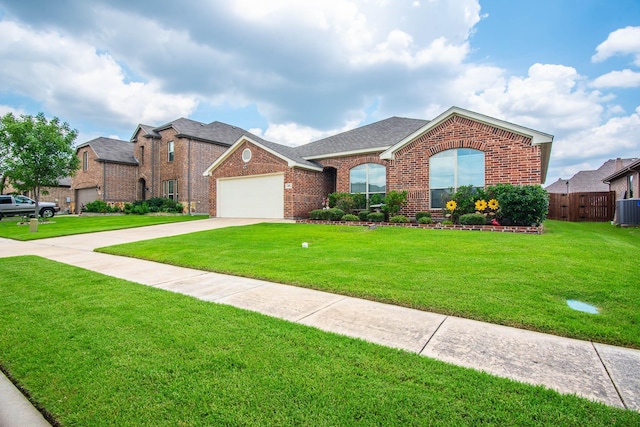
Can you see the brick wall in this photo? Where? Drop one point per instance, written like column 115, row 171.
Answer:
column 119, row 183
column 90, row 177
column 307, row 187
column 509, row 158
column 190, row 159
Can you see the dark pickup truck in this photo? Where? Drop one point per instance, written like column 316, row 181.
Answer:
column 22, row 205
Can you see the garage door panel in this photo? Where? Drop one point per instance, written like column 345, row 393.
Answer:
column 259, row 196
column 84, row 196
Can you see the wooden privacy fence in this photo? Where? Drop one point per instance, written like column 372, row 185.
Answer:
column 596, row 207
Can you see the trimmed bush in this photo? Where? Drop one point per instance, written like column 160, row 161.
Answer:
column 363, row 215
column 350, row 217
column 399, row 219
column 317, row 214
column 473, row 219
column 520, row 204
column 375, row 217
column 335, row 214
column 425, row 220
column 422, row 215
column 99, row 206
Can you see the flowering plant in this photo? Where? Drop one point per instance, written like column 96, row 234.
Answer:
column 451, row 205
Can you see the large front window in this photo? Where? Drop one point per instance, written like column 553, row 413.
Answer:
column 368, row 179
column 455, row 168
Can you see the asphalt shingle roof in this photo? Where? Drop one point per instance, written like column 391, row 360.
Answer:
column 384, row 133
column 589, row 181
column 112, row 150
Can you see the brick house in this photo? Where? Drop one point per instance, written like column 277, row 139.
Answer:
column 61, row 194
column 172, row 157
column 625, row 181
column 590, row 180
column 108, row 171
column 257, row 178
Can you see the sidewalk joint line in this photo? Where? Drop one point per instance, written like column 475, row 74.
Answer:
column 432, row 335
column 321, row 308
column 609, row 375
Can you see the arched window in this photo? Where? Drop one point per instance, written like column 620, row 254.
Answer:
column 451, row 169
column 369, row 178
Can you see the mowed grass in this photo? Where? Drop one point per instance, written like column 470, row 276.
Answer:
column 67, row 225
column 511, row 279
column 98, row 351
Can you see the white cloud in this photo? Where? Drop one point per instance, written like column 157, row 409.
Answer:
column 625, row 41
column 624, row 78
column 4, row 109
column 293, row 134
column 71, row 78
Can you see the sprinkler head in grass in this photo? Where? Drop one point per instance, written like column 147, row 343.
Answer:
column 305, row 245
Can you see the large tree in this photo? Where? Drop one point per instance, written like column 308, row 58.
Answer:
column 39, row 152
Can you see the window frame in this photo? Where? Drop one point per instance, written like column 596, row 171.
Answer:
column 455, row 173
column 170, row 151
column 166, row 189
column 367, row 182
column 85, row 161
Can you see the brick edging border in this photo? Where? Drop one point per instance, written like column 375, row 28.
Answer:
column 436, row 226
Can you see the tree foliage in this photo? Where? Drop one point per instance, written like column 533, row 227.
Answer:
column 38, row 152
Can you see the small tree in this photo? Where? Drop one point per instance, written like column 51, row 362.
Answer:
column 39, row 151
column 394, row 201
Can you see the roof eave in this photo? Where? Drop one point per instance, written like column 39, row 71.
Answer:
column 347, row 153
column 537, row 138
column 290, row 162
column 635, row 166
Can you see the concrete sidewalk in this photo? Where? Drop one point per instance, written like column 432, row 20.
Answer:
column 598, row 372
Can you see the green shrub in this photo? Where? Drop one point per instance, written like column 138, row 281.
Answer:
column 473, row 219
column 394, row 201
column 520, row 204
column 399, row 219
column 350, row 217
column 363, row 215
column 376, row 199
column 317, row 214
column 447, row 222
column 335, row 214
column 422, row 215
column 99, row 206
column 154, row 205
column 359, row 201
column 375, row 217
column 425, row 220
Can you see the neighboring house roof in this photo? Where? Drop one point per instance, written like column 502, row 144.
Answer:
column 111, row 150
column 214, row 132
column 374, row 137
column 544, row 140
column 633, row 166
column 591, row 180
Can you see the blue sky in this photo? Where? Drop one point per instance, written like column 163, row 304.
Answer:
column 294, row 71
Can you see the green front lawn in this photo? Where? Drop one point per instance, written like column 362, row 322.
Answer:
column 98, row 351
column 512, row 279
column 65, row 225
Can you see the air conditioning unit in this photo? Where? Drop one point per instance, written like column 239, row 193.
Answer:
column 628, row 211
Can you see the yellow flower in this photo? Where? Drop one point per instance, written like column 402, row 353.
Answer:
column 481, row 205
column 452, row 205
column 493, row 204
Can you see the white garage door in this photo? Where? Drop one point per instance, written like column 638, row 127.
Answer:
column 260, row 196
column 85, row 196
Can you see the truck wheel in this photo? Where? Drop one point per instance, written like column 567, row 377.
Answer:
column 46, row 212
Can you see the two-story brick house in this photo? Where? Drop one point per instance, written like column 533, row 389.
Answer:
column 172, row 157
column 108, row 171
column 257, row 178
